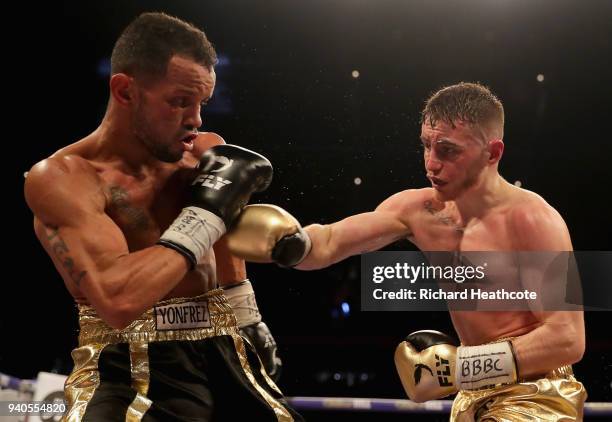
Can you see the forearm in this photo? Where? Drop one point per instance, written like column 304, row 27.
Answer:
column 558, row 341
column 134, row 282
column 354, row 235
column 230, row 269
column 320, row 255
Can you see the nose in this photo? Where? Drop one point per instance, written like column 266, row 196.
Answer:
column 193, row 118
column 432, row 164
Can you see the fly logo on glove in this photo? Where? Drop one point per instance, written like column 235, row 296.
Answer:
column 210, row 181
column 444, row 371
column 208, row 212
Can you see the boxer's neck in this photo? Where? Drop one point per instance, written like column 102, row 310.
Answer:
column 116, row 141
column 479, row 200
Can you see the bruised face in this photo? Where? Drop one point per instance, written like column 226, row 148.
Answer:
column 455, row 157
column 167, row 113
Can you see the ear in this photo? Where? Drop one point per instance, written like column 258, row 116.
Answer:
column 121, row 87
column 496, row 150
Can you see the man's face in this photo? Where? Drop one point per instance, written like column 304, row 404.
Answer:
column 455, row 158
column 167, row 112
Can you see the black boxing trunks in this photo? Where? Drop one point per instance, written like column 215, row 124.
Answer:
column 182, row 360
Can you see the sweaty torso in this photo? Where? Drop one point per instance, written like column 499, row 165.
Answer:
column 143, row 206
column 435, row 227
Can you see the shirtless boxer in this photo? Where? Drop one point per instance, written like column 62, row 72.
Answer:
column 470, row 207
column 158, row 341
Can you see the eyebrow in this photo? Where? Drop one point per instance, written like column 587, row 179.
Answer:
column 441, row 141
column 185, row 91
column 447, row 142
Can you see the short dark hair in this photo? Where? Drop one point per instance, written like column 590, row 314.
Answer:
column 472, row 103
column 148, row 43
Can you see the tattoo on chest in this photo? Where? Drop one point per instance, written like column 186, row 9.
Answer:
column 135, row 218
column 444, row 219
column 61, row 252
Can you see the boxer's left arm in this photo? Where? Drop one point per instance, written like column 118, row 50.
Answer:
column 267, row 233
column 361, row 233
column 559, row 339
column 230, row 268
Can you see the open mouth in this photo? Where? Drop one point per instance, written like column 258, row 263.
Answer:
column 188, row 141
column 437, row 182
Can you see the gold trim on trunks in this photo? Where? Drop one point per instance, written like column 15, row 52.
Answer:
column 143, row 329
column 139, row 362
column 282, row 414
column 83, row 381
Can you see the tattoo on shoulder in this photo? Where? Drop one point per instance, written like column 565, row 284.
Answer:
column 444, row 219
column 135, row 217
column 429, row 207
column 61, row 252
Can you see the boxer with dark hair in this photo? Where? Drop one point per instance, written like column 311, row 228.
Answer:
column 130, row 215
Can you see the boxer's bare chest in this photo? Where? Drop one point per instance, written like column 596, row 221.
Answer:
column 142, row 205
column 489, row 240
column 441, row 229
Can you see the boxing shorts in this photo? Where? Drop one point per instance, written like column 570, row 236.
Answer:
column 558, row 396
column 182, row 360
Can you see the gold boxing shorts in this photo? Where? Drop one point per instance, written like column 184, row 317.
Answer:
column 555, row 397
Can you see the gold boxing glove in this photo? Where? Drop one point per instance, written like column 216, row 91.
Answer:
column 267, row 233
column 425, row 362
column 431, row 366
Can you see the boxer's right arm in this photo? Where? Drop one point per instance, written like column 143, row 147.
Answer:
column 359, row 233
column 89, row 249
column 91, row 252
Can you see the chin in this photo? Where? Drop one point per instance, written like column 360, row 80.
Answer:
column 168, row 155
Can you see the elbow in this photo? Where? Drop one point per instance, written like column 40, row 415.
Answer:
column 112, row 305
column 576, row 351
column 107, row 294
column 574, row 346
column 115, row 311
column 118, row 316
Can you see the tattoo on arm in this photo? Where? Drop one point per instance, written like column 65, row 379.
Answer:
column 60, row 250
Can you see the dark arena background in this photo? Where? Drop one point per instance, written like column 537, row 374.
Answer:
column 330, row 91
